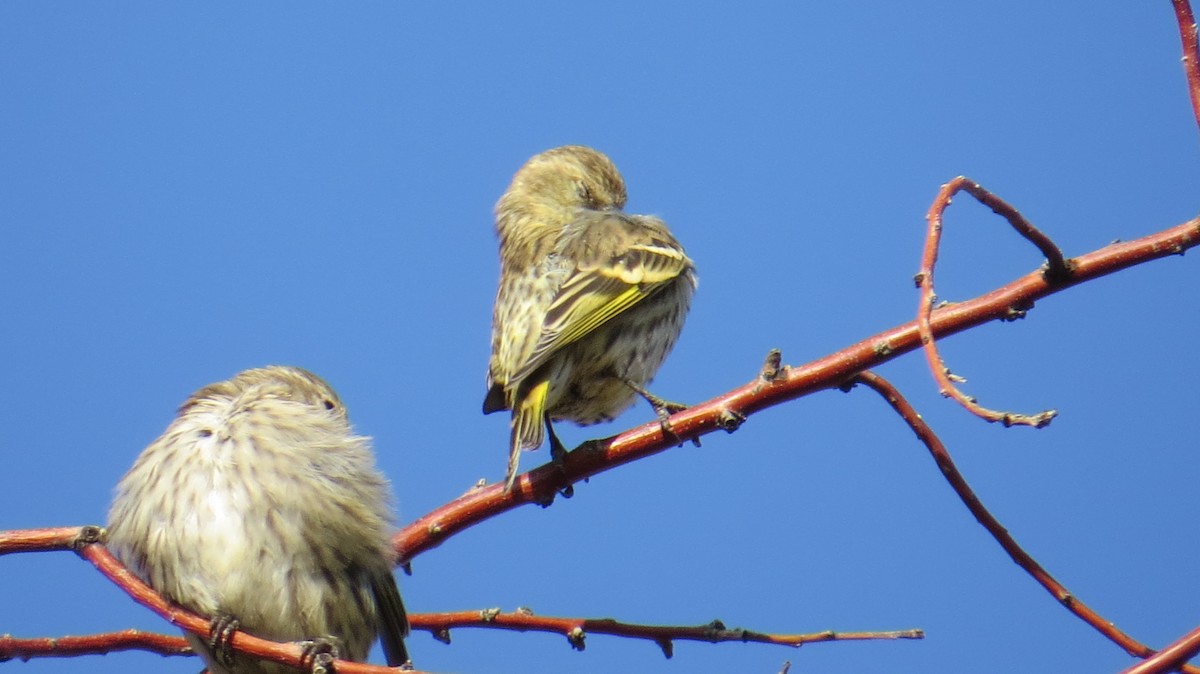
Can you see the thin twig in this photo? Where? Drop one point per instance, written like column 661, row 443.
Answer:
column 38, row 540
column 1057, row 270
column 957, row 482
column 1191, row 52
column 92, row 644
column 576, row 629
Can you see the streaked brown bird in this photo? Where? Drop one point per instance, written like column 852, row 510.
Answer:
column 590, row 300
column 260, row 507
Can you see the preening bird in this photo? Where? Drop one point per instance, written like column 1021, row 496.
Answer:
column 590, row 300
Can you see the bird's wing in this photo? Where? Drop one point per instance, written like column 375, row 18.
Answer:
column 619, row 261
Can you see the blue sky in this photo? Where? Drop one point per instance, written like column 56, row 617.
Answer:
column 189, row 190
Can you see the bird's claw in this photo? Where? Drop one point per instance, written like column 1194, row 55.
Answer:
column 220, row 633
column 320, row 652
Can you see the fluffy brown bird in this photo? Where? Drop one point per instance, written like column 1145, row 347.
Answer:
column 590, row 300
column 260, row 505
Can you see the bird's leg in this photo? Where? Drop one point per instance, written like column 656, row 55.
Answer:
column 220, row 632
column 663, row 408
column 558, row 453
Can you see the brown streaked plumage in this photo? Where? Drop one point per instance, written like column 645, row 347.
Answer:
column 590, row 300
column 260, row 504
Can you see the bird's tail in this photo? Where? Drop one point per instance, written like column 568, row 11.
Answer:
column 527, row 431
column 392, row 618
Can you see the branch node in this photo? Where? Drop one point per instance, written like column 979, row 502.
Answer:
column 772, row 367
column 488, row 615
column 1058, row 269
column 883, row 348
column 1039, row 420
column 88, row 535
column 443, row 635
column 1015, row 313
column 730, row 420
column 576, row 637
column 667, row 646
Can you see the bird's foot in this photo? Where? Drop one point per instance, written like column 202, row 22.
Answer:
column 664, row 409
column 320, row 653
column 220, row 633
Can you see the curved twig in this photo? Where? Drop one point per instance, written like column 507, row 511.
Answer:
column 1057, row 270
column 957, row 482
column 1191, row 52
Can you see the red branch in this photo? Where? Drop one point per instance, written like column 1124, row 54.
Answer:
column 1171, row 658
column 39, row 540
column 725, row 412
column 576, row 629
column 92, row 644
column 957, row 482
column 1057, row 269
column 1191, row 52
column 290, row 654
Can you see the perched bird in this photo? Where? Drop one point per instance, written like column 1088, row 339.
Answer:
column 590, row 299
column 261, row 508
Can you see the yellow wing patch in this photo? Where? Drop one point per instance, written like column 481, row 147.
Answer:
column 590, row 297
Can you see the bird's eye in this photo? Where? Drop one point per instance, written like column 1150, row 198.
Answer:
column 585, row 193
column 329, row 404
